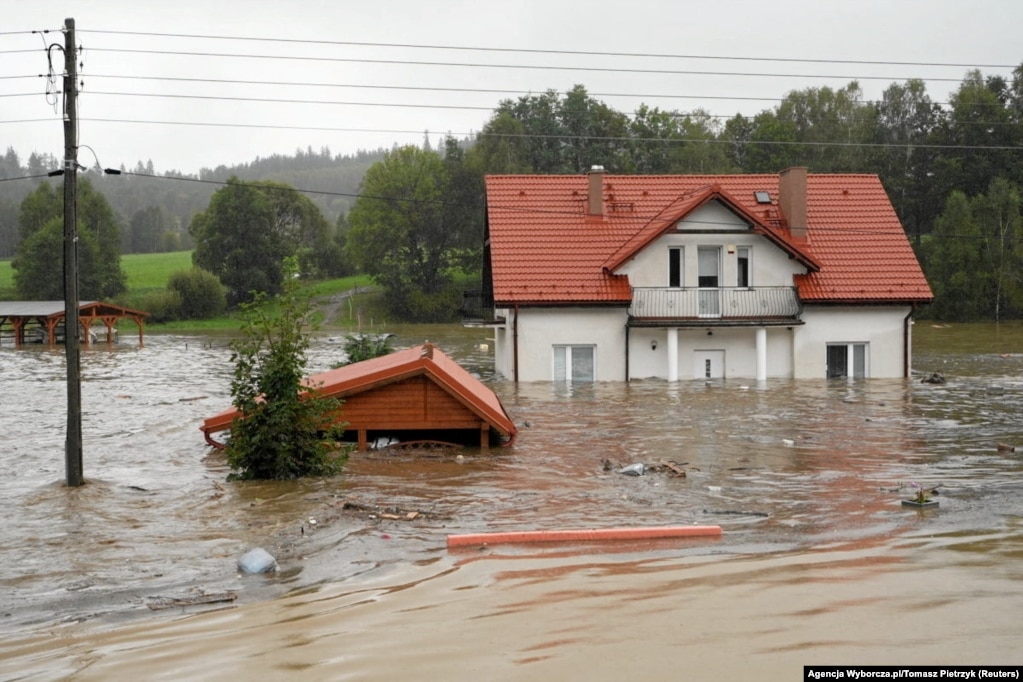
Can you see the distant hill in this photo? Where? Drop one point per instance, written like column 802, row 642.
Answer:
column 332, row 183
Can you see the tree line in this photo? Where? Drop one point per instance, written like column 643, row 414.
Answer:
column 953, row 171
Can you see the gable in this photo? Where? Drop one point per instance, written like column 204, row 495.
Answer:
column 714, row 216
column 414, row 403
column 770, row 265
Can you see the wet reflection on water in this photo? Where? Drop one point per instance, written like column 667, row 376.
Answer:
column 788, row 469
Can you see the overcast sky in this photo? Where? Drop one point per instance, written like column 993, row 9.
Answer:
column 370, row 74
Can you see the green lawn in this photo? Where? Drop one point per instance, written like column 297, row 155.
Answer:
column 148, row 272
column 152, row 270
column 145, row 271
column 6, row 280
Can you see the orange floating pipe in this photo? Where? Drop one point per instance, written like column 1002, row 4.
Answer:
column 594, row 535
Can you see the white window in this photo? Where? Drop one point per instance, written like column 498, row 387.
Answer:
column 847, row 360
column 574, row 364
column 744, row 267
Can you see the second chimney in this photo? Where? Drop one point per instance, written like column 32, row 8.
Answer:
column 792, row 199
column 595, row 202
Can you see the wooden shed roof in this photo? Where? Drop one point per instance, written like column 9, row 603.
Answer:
column 56, row 309
column 425, row 361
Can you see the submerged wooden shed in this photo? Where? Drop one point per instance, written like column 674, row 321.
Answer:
column 413, row 395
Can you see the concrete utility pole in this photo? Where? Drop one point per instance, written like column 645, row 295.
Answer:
column 73, row 444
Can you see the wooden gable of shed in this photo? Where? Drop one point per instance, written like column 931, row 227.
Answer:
column 416, row 404
column 417, row 394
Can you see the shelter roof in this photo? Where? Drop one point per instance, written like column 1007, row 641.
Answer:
column 56, row 308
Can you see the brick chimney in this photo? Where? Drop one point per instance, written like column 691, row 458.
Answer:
column 595, row 199
column 792, row 199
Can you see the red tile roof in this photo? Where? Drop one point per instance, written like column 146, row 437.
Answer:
column 545, row 250
column 427, row 359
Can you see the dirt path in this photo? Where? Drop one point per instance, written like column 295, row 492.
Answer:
column 334, row 307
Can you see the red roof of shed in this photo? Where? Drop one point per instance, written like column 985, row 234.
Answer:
column 426, row 359
column 546, row 250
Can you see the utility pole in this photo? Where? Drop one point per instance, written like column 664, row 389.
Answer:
column 73, row 444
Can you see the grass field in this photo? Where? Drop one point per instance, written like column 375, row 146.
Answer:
column 6, row 281
column 148, row 272
column 152, row 270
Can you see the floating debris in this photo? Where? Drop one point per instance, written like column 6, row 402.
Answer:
column 637, row 469
column 257, row 560
column 736, row 512
column 202, row 598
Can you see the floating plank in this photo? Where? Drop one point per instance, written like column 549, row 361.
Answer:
column 583, row 535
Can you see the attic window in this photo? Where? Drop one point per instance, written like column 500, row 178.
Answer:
column 763, row 197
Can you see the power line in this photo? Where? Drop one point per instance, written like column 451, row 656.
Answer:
column 368, row 86
column 539, row 67
column 493, row 91
column 590, row 138
column 397, row 105
column 26, row 177
column 272, row 100
column 586, row 53
column 31, row 32
column 498, row 207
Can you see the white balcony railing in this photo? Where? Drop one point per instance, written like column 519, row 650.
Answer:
column 753, row 304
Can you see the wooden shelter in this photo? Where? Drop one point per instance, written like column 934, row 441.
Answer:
column 18, row 319
column 410, row 396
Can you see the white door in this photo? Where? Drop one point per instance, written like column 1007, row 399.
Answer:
column 709, row 262
column 708, row 364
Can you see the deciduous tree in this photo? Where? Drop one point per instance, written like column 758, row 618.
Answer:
column 38, row 265
column 407, row 235
column 248, row 230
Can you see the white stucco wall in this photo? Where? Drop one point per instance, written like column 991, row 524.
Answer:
column 881, row 327
column 502, row 345
column 770, row 266
column 799, row 352
column 540, row 329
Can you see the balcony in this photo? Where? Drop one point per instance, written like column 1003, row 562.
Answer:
column 718, row 306
column 478, row 309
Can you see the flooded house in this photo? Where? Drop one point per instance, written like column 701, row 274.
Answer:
column 413, row 397
column 600, row 277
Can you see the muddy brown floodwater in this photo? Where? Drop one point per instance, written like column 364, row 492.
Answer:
column 819, row 563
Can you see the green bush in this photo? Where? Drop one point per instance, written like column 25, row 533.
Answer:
column 162, row 306
column 202, row 295
column 359, row 347
column 418, row 306
column 282, row 431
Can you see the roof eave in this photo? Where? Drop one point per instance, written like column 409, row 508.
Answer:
column 866, row 301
